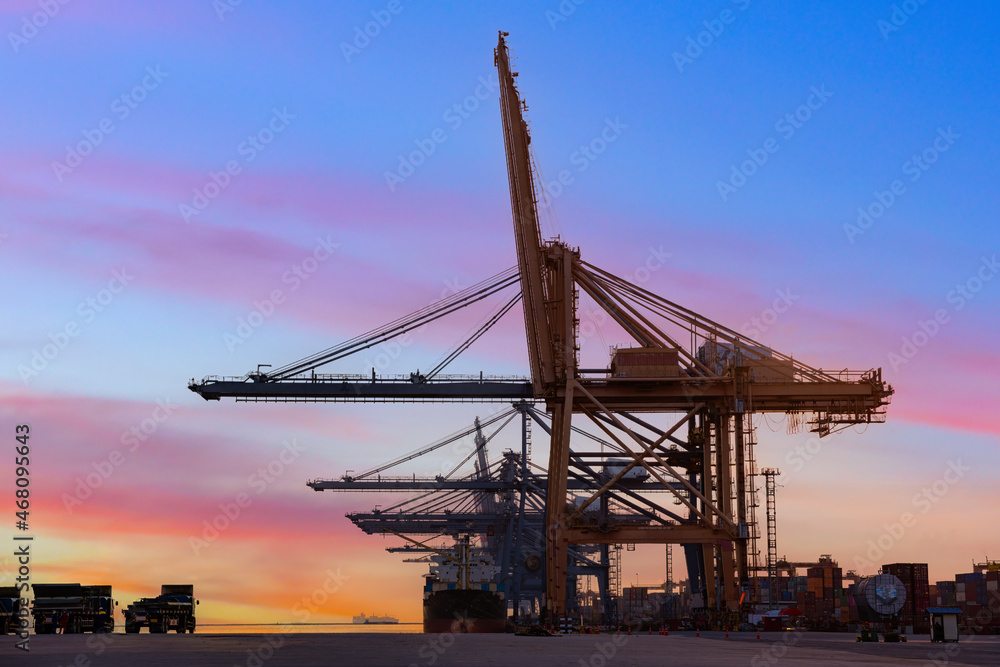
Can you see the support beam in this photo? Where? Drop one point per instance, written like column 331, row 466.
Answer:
column 638, row 460
column 555, row 506
column 361, row 389
column 740, row 454
column 648, row 450
column 650, row 535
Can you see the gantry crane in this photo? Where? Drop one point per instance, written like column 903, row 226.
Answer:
column 716, row 379
column 717, row 383
column 502, row 503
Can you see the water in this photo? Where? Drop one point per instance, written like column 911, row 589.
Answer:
column 339, row 628
column 294, row 628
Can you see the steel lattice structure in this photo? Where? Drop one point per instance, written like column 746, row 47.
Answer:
column 712, row 379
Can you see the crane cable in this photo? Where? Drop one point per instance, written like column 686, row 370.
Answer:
column 476, row 336
column 430, row 448
column 402, row 325
column 475, row 451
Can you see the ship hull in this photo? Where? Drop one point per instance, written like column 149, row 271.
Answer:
column 465, row 611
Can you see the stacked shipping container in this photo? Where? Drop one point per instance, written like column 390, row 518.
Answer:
column 975, row 591
column 825, row 582
column 918, row 594
column 806, row 603
column 992, row 601
column 821, row 596
column 945, row 594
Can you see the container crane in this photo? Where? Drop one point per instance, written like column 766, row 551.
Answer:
column 715, row 383
column 503, row 504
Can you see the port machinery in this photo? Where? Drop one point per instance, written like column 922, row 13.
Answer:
column 706, row 378
column 502, row 503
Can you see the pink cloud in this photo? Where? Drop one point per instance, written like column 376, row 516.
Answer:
column 228, row 264
column 356, row 290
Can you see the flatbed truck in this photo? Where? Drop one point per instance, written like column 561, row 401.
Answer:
column 173, row 609
column 83, row 608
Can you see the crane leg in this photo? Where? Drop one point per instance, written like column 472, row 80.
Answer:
column 557, row 545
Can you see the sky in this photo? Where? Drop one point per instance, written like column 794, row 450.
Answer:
column 823, row 176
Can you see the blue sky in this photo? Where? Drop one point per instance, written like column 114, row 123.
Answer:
column 683, row 120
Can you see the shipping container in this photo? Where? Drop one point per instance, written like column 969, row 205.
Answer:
column 771, row 370
column 645, row 362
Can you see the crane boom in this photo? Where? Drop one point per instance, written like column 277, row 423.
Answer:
column 527, row 237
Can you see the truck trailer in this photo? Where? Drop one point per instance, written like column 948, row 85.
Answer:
column 173, row 609
column 10, row 609
column 79, row 608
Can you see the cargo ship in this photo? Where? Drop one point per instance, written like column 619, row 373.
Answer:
column 375, row 620
column 461, row 593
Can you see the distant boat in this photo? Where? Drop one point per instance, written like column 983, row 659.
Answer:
column 375, row 620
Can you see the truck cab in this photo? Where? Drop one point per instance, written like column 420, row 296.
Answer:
column 10, row 609
column 172, row 609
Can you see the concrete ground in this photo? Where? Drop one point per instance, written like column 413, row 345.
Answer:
column 409, row 650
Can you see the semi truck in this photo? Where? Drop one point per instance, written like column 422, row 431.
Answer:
column 172, row 609
column 78, row 608
column 10, row 609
